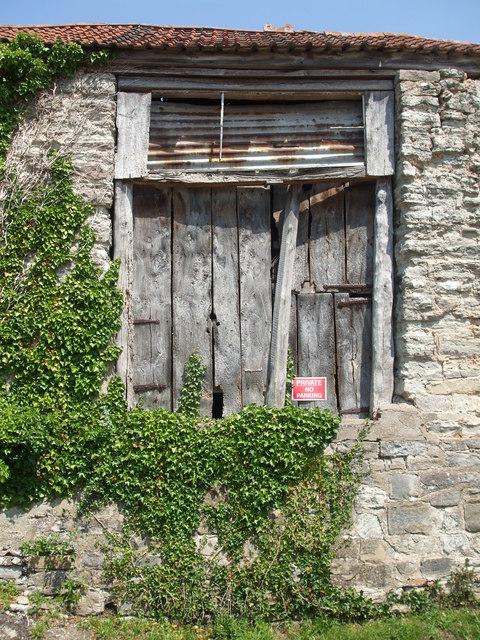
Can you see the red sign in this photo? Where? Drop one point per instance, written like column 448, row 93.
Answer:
column 308, row 389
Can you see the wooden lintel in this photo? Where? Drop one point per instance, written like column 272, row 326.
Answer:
column 253, row 179
column 382, row 302
column 277, row 369
column 123, row 250
column 133, row 126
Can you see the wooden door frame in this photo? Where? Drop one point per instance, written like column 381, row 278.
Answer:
column 130, row 165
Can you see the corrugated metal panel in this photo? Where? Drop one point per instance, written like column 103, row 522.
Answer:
column 266, row 136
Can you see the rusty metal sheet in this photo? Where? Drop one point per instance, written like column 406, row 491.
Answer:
column 256, row 136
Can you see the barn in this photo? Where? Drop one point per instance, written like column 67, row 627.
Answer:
column 314, row 192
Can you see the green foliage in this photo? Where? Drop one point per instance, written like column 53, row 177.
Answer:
column 191, row 394
column 290, row 376
column 8, row 592
column 51, row 546
column 27, row 65
column 55, row 339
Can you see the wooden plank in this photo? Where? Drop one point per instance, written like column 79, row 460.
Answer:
column 301, row 271
column 275, row 396
column 226, row 302
column 359, row 215
column 253, row 206
column 327, row 235
column 152, row 358
column 382, row 308
column 171, row 176
column 123, row 250
column 133, row 129
column 316, row 343
column 292, row 332
column 379, row 109
column 231, row 87
column 354, row 353
column 192, row 287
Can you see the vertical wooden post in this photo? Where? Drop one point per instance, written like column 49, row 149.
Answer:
column 379, row 117
column 123, row 249
column 277, row 367
column 133, row 126
column 382, row 303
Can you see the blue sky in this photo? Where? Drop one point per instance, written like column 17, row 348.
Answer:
column 452, row 19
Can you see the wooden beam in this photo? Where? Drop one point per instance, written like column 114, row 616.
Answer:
column 382, row 304
column 379, row 133
column 123, row 250
column 133, row 126
column 277, row 368
column 234, row 87
column 253, row 178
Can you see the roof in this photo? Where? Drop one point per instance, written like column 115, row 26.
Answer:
column 137, row 36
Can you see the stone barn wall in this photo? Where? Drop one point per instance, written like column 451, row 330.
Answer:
column 418, row 513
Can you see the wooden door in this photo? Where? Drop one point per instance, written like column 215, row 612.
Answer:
column 202, row 284
column 330, row 328
column 204, row 271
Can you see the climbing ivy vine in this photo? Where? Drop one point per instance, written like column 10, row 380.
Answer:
column 255, row 488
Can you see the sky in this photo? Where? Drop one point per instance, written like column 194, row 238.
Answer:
column 448, row 19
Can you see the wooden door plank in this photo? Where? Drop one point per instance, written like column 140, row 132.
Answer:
column 316, row 343
column 152, row 309
column 354, row 349
column 275, row 396
column 192, row 283
column 123, row 250
column 226, row 323
column 253, row 206
column 301, row 272
column 379, row 118
column 327, row 235
column 359, row 216
column 382, row 309
column 133, row 126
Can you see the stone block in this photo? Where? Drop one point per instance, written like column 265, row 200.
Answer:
column 91, row 603
column 403, row 486
column 472, row 516
column 409, row 518
column 442, row 499
column 373, row 550
column 398, row 449
column 367, row 525
column 438, row 480
column 370, row 498
column 436, row 568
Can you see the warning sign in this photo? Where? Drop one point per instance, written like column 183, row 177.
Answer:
column 308, row 389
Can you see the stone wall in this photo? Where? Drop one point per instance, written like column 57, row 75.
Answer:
column 417, row 517
column 76, row 116
column 418, row 514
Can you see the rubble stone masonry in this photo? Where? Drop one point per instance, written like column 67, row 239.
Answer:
column 417, row 517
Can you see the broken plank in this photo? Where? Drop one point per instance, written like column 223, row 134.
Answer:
column 152, row 296
column 191, row 287
column 275, row 396
column 316, row 343
column 226, row 303
column 253, row 206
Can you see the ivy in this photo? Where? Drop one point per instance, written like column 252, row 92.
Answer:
column 28, row 64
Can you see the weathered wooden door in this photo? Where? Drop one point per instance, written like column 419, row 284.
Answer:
column 203, row 265
column 330, row 326
column 202, row 284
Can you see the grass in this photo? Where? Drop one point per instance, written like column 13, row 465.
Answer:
column 439, row 624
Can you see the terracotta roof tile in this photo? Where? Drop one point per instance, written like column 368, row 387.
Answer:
column 135, row 36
